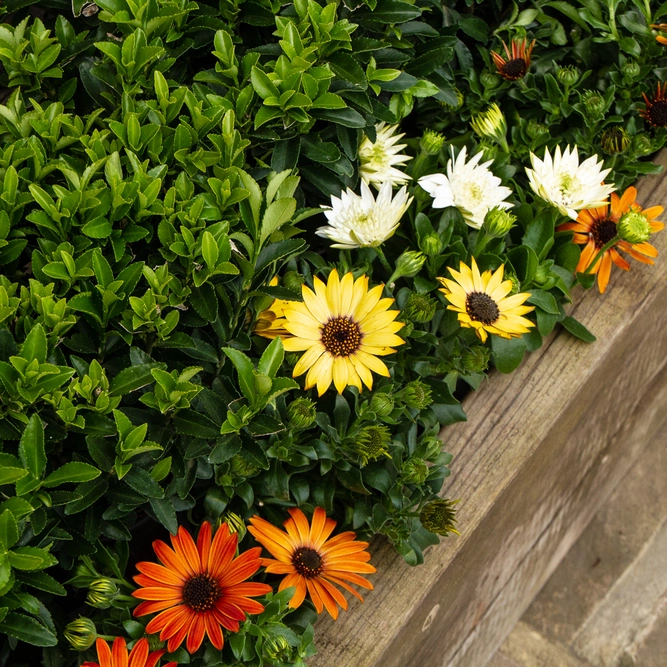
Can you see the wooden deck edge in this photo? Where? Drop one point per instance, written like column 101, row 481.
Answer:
column 541, row 451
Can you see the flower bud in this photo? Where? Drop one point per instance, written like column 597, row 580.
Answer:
column 101, row 593
column 491, row 124
column 489, row 149
column 439, row 516
column 81, row 633
column 242, row 468
column 415, row 471
column 277, row 649
column 408, row 265
column 631, row 68
column 155, row 643
column 432, row 142
column 594, row 103
column 535, row 130
column 476, row 359
column 419, row 308
column 459, row 101
column 542, row 274
column 615, row 140
column 371, row 443
column 382, row 404
column 568, row 75
column 302, row 412
column 489, row 80
column 431, row 245
column 293, row 280
column 642, row 144
column 498, row 222
column 634, row 227
column 235, row 524
column 417, row 395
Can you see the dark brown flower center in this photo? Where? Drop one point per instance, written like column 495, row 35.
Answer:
column 514, row 69
column 603, row 231
column 341, row 336
column 482, row 308
column 201, row 592
column 657, row 113
column 307, row 562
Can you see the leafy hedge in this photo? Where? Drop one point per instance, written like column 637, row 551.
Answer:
column 161, row 162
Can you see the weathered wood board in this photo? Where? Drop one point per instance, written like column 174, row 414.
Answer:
column 541, row 451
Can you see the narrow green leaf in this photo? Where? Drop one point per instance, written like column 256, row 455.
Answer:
column 577, row 329
column 31, row 447
column 74, row 471
column 27, row 629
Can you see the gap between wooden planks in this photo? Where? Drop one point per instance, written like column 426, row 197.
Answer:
column 540, row 453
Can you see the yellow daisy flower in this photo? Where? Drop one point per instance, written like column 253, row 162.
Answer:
column 265, row 325
column 483, row 304
column 343, row 327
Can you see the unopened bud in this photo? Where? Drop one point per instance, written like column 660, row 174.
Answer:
column 634, row 227
column 235, row 524
column 81, row 633
column 631, row 68
column 293, row 281
column 415, row 471
column 459, row 101
column 489, row 80
column 417, row 395
column 568, row 75
column 382, row 404
column 419, row 308
column 408, row 265
column 594, row 103
column 642, row 144
column 371, row 443
column 302, row 412
column 476, row 359
column 432, row 142
column 615, row 140
column 535, row 130
column 101, row 593
column 498, row 222
column 431, row 245
column 491, row 124
column 439, row 516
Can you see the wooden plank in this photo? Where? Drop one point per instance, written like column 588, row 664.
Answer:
column 542, row 450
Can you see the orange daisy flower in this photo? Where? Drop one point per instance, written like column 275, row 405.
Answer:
column 655, row 112
column 198, row 588
column 312, row 562
column 118, row 657
column 518, row 59
column 595, row 227
column 662, row 27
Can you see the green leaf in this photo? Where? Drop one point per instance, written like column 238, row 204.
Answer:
column 276, row 215
column 133, row 378
column 143, row 483
column 545, row 301
column 89, row 492
column 31, row 447
column 272, row 358
column 209, row 249
column 10, row 474
column 74, row 471
column 577, row 329
column 507, row 354
column 30, row 558
column 35, row 345
column 346, row 117
column 205, row 301
column 42, row 582
column 387, row 11
column 9, row 530
column 191, row 422
column 245, row 370
column 347, row 68
column 27, row 629
column 164, row 511
column 99, row 228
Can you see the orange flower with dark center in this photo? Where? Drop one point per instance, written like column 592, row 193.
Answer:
column 518, row 59
column 655, row 112
column 595, row 227
column 198, row 588
column 140, row 656
column 312, row 562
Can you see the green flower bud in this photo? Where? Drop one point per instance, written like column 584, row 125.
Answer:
column 101, row 593
column 535, row 130
column 81, row 633
column 439, row 516
column 568, row 75
column 155, row 643
column 542, row 274
column 293, row 280
column 417, row 395
column 433, row 447
column 302, row 412
column 432, row 142
column 498, row 222
column 382, row 404
column 371, row 443
column 408, row 265
column 431, row 245
column 415, row 471
column 516, row 283
column 235, row 523
column 419, row 308
column 242, row 468
column 489, row 80
column 631, row 69
column 642, row 144
column 489, row 149
column 459, row 101
column 615, row 140
column 476, row 359
column 491, row 124
column 594, row 103
column 277, row 649
column 634, row 227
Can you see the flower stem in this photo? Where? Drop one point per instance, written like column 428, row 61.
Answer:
column 383, row 259
column 601, row 252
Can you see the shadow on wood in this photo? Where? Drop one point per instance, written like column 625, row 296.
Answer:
column 541, row 451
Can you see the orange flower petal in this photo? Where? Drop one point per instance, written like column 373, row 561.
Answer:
column 185, row 547
column 196, row 633
column 139, row 653
column 161, row 574
column 170, row 558
column 119, row 653
column 204, row 544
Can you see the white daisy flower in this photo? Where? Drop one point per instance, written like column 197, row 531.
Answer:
column 469, row 186
column 363, row 221
column 378, row 160
column 568, row 185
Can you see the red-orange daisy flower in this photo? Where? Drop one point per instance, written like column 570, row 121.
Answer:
column 140, row 656
column 518, row 59
column 312, row 562
column 198, row 588
column 595, row 227
column 655, row 112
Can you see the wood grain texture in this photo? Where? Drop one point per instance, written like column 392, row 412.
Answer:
column 541, row 451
